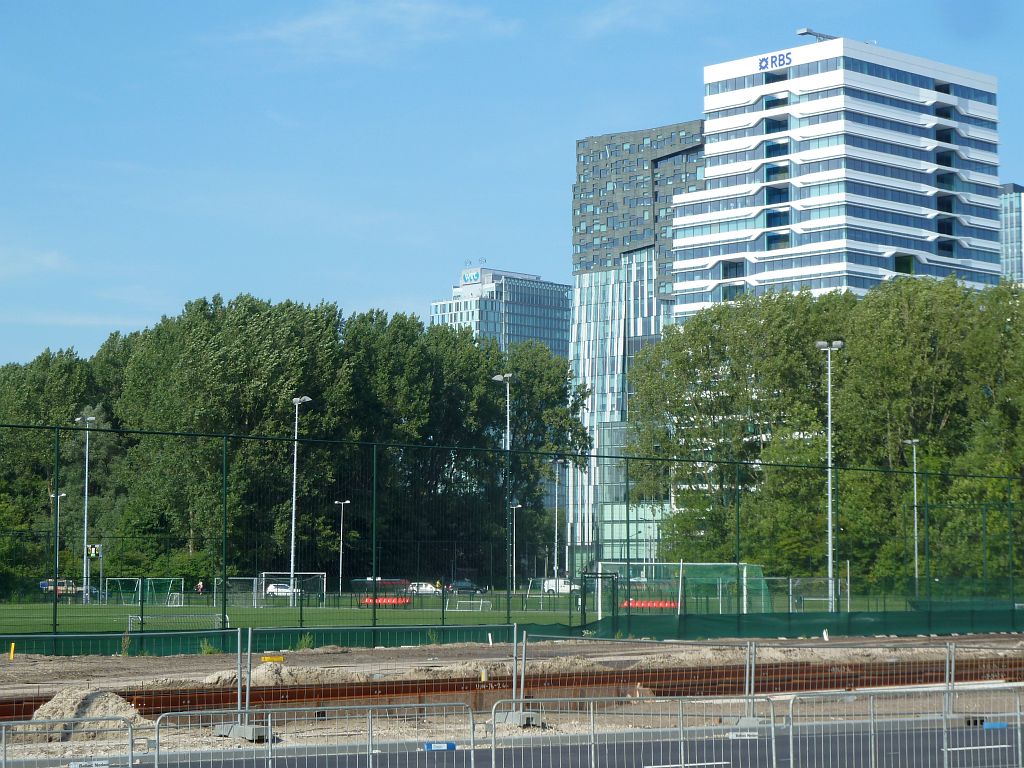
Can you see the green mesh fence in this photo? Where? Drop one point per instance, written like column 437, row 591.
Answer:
column 183, row 532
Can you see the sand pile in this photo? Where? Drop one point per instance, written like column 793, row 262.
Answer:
column 573, row 664
column 693, row 657
column 224, row 678
column 470, row 669
column 276, row 674
column 72, row 703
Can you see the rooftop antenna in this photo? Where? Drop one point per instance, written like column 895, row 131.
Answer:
column 820, row 36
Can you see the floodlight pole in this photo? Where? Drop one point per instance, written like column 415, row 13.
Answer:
column 296, row 401
column 341, row 544
column 827, row 347
column 917, row 575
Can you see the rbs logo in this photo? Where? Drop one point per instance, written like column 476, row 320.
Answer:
column 775, row 61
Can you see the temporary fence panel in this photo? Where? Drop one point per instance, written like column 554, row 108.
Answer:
column 70, row 741
column 372, row 735
column 639, row 730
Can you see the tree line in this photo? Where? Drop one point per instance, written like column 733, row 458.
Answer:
column 740, row 392
column 162, row 501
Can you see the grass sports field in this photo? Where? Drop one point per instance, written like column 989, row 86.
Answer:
column 204, row 612
column 199, row 613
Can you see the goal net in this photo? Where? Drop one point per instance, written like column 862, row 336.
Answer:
column 241, row 590
column 311, row 584
column 122, row 591
column 165, row 591
column 176, row 622
column 455, row 604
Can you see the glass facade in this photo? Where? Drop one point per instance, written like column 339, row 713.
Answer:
column 1011, row 231
column 838, row 165
column 622, row 199
column 508, row 306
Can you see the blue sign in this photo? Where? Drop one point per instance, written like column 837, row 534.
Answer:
column 774, row 61
column 439, row 746
column 470, row 276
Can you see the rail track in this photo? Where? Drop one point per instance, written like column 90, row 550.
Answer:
column 721, row 680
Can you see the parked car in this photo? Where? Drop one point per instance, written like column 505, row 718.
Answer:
column 282, row 590
column 423, row 588
column 464, row 587
column 560, row 586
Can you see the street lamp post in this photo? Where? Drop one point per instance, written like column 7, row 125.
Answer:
column 513, row 508
column 296, row 401
column 56, row 543
column 87, row 420
column 913, row 446
column 827, row 347
column 558, row 472
column 341, row 543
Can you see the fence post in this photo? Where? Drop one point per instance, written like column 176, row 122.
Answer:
column 373, row 546
column 871, row 731
column 593, row 738
column 370, row 761
column 224, row 534
column 55, row 514
column 629, row 561
column 740, row 608
column 1009, row 532
column 238, row 672
column 682, row 754
column 1020, row 742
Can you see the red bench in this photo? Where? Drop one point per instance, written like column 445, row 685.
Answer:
column 386, row 601
column 649, row 604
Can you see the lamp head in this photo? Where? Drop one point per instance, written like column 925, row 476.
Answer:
column 343, row 503
column 501, row 377
column 824, row 345
column 86, row 419
column 301, row 400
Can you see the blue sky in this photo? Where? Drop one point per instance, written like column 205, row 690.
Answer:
column 358, row 152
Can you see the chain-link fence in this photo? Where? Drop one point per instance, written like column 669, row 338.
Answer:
column 211, row 532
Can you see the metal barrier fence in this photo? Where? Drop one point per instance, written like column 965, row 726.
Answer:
column 777, row 667
column 920, row 728
column 44, row 742
column 408, row 735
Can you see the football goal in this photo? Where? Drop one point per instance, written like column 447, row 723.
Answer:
column 467, row 605
column 241, row 590
column 176, row 622
column 308, row 583
column 122, row 591
column 164, row 591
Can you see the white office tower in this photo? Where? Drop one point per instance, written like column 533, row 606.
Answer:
column 834, row 166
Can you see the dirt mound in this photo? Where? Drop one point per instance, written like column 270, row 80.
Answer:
column 224, row 678
column 276, row 674
column 559, row 664
column 469, row 669
column 693, row 657
column 72, row 703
